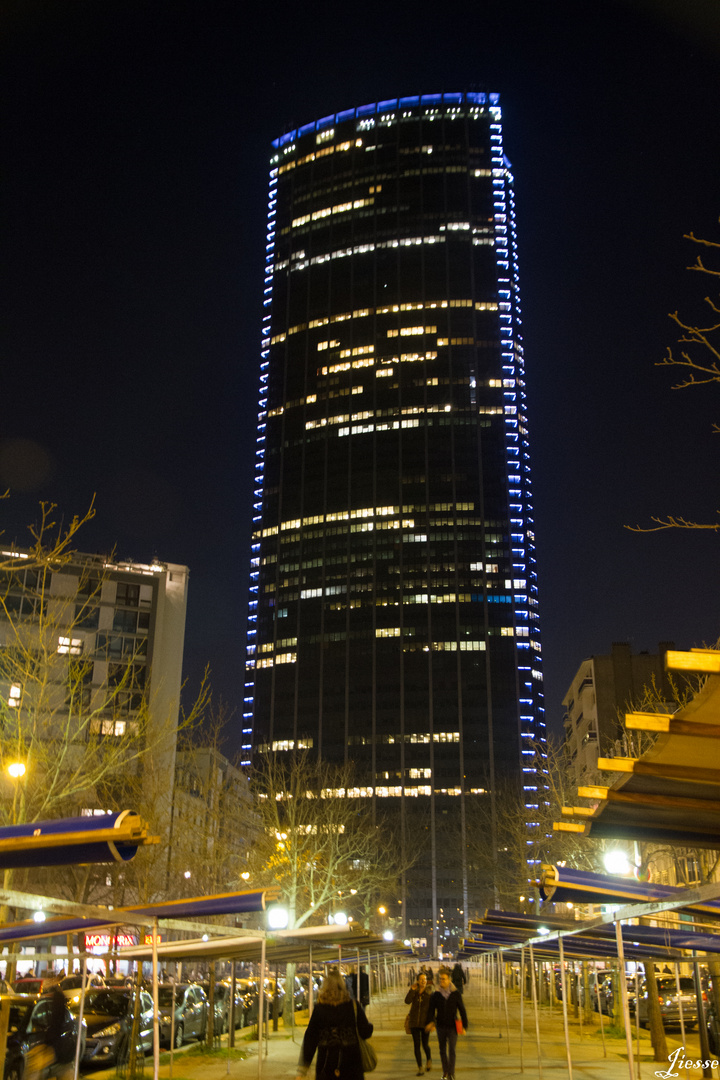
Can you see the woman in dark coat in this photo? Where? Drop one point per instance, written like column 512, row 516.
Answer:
column 333, row 1032
column 418, row 998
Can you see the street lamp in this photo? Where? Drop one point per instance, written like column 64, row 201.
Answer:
column 616, row 861
column 277, row 917
column 16, row 769
column 340, row 918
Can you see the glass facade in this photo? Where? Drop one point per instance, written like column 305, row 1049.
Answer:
column 393, row 599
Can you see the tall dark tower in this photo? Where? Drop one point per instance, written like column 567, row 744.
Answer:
column 393, row 603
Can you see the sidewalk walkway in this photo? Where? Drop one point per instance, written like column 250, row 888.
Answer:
column 484, row 1049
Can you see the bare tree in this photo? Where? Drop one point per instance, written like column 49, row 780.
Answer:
column 74, row 717
column 317, row 840
column 698, row 358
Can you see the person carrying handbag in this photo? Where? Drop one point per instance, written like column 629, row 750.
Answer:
column 335, row 1030
column 418, row 998
column 445, row 1004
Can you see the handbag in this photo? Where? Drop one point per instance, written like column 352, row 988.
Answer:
column 368, row 1057
column 408, row 1030
column 459, row 1026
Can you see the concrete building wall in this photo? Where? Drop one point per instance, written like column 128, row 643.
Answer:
column 603, row 689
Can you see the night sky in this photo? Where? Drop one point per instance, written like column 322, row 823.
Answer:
column 136, row 140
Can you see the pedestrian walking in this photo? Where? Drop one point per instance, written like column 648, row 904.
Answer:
column 458, row 977
column 335, row 1029
column 445, row 1004
column 418, row 998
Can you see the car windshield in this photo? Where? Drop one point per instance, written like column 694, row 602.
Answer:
column 28, row 986
column 111, row 1002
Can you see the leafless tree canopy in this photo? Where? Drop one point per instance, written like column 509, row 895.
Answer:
column 318, row 841
column 698, row 358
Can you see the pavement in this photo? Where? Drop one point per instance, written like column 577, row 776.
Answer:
column 485, row 1048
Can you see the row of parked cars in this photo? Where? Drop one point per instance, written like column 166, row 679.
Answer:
column 669, row 1001
column 108, row 1015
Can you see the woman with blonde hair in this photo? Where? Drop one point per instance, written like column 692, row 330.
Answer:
column 333, row 1031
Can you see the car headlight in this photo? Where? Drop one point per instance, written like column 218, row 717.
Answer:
column 108, row 1032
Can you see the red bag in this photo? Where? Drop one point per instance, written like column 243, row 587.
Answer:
column 459, row 1026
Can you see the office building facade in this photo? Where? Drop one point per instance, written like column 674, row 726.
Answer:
column 87, row 647
column 603, row 689
column 393, row 614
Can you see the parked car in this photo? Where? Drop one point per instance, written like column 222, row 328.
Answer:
column 32, row 985
column 191, row 1010
column 299, row 994
column 108, row 1014
column 221, row 999
column 668, row 997
column 27, row 1023
column 248, row 992
column 71, row 985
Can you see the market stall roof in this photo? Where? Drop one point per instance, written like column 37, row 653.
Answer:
column 564, row 884
column 595, row 938
column 281, row 946
column 108, row 838
column 671, row 793
column 142, row 914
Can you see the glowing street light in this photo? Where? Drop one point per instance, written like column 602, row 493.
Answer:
column 616, row 861
column 388, row 935
column 277, row 917
column 16, row 769
column 340, row 918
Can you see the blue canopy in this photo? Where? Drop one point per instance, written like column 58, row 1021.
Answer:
column 560, row 884
column 73, row 841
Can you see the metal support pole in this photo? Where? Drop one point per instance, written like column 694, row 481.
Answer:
column 522, row 1008
column 563, row 989
column 702, row 1027
column 233, row 990
column 370, row 993
column 261, row 1005
column 504, row 990
column 80, row 1017
column 535, row 1009
column 682, row 1020
column 311, row 985
column 637, row 1018
column 172, row 1015
column 624, row 999
column 156, row 1006
column 597, row 994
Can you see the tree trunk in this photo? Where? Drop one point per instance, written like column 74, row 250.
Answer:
column 618, row 1014
column 587, row 1000
column 657, row 1032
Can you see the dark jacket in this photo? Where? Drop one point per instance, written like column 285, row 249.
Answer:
column 419, row 1005
column 443, row 1011
column 458, row 978
column 332, row 1032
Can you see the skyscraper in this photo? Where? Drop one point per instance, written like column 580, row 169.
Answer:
column 393, row 605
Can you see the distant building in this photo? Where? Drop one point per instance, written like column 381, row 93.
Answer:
column 604, row 688
column 212, row 823
column 87, row 646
